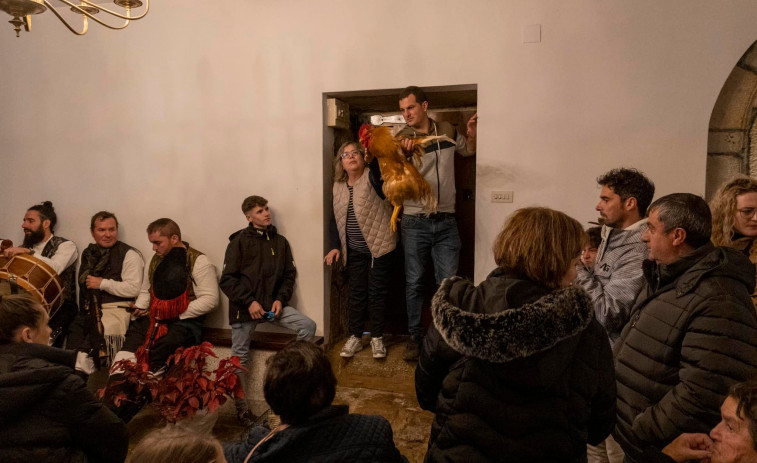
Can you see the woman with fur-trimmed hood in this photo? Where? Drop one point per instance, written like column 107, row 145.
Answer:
column 517, row 369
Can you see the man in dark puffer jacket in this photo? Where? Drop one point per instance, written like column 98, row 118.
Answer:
column 692, row 332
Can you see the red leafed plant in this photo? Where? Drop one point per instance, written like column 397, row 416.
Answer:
column 188, row 386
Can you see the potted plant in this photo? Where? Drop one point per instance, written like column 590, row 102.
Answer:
column 188, row 388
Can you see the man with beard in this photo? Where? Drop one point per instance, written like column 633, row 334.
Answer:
column 57, row 252
column 616, row 277
column 110, row 276
column 179, row 288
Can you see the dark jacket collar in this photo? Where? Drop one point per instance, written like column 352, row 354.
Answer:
column 252, row 232
column 707, row 260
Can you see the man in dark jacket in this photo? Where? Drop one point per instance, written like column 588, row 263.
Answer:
column 692, row 332
column 258, row 278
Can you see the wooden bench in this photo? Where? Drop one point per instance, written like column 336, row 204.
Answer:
column 265, row 340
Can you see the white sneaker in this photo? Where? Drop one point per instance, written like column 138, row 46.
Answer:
column 352, row 346
column 377, row 345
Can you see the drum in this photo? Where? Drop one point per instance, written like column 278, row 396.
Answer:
column 29, row 274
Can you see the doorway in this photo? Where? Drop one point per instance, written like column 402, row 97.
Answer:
column 453, row 104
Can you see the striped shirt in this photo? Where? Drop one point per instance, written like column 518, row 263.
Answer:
column 355, row 240
column 617, row 276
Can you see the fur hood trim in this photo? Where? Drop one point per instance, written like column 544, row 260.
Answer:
column 512, row 333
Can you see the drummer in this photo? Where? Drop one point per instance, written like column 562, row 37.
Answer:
column 57, row 252
column 110, row 277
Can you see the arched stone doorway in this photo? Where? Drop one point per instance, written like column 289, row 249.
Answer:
column 732, row 141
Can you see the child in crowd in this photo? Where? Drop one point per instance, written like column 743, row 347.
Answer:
column 589, row 252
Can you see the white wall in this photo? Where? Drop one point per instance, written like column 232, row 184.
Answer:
column 193, row 108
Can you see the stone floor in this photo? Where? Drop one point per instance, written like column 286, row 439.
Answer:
column 377, row 387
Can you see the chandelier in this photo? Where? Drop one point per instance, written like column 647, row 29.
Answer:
column 21, row 10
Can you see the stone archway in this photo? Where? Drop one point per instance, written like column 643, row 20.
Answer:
column 732, row 141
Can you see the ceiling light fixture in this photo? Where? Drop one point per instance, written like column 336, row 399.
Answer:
column 21, row 11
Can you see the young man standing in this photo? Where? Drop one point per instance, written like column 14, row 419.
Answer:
column 432, row 237
column 616, row 277
column 258, row 278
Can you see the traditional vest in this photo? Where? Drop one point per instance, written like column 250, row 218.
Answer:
column 372, row 214
column 68, row 277
column 112, row 271
column 192, row 255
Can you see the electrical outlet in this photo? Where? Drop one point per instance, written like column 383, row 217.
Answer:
column 502, row 196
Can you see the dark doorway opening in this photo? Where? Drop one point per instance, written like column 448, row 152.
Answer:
column 453, row 104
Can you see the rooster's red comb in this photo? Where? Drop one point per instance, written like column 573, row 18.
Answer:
column 364, row 134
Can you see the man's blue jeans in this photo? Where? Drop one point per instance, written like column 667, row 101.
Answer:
column 436, row 238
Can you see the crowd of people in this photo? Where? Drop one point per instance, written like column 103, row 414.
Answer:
column 632, row 341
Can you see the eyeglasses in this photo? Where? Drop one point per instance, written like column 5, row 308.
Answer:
column 747, row 213
column 350, row 154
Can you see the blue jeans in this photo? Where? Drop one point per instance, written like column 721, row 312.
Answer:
column 241, row 336
column 425, row 238
column 241, row 333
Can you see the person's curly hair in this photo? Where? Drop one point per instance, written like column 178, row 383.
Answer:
column 723, row 207
column 630, row 183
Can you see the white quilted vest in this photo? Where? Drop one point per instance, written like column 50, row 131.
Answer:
column 372, row 213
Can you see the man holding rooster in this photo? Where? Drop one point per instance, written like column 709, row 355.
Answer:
column 430, row 236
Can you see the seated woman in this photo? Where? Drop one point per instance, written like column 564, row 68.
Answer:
column 734, row 217
column 299, row 385
column 517, row 369
column 46, row 412
column 171, row 445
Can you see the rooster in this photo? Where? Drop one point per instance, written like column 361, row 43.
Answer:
column 401, row 179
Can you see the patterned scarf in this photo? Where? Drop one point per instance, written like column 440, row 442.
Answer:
column 94, row 259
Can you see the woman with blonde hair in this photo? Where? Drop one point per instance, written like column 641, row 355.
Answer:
column 517, row 369
column 361, row 237
column 169, row 445
column 734, row 217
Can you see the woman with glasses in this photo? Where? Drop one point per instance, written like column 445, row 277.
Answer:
column 734, row 217
column 361, row 236
column 47, row 414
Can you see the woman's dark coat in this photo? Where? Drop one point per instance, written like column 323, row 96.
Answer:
column 514, row 373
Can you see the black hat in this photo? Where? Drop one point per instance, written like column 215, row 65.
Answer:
column 170, row 278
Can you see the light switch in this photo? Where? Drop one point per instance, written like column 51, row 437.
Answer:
column 502, row 196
